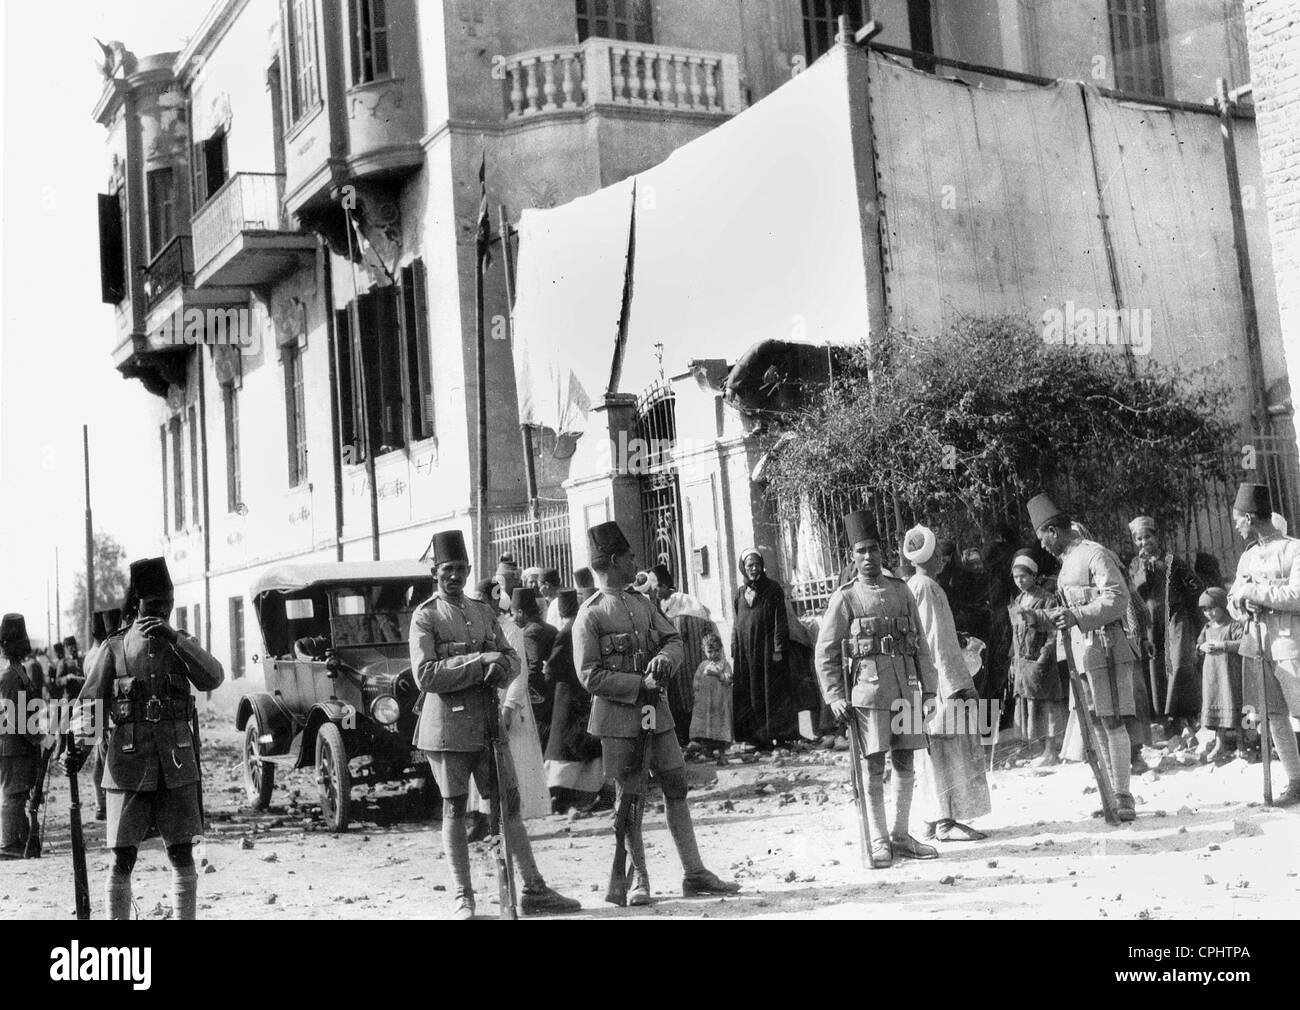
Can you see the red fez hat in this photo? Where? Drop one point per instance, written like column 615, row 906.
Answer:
column 568, row 602
column 524, row 598
column 860, row 526
column 1042, row 510
column 1254, row 499
column 608, row 539
column 446, row 546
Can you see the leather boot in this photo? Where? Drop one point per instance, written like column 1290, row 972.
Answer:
column 697, row 880
column 639, row 893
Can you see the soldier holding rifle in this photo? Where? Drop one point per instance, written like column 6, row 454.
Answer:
column 887, row 684
column 1267, row 590
column 1093, row 599
column 458, row 648
column 21, row 764
column 624, row 648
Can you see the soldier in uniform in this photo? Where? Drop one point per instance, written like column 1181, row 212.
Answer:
column 104, row 624
column 19, row 750
column 54, row 683
column 460, row 657
column 1092, row 586
column 141, row 678
column 72, row 670
column 1267, row 591
column 622, row 647
column 891, row 684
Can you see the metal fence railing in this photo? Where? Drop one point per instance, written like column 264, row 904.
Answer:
column 542, row 540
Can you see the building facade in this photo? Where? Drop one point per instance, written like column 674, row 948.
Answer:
column 290, row 216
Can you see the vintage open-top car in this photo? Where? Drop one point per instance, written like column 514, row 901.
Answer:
column 339, row 690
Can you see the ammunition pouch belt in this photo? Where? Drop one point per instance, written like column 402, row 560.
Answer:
column 621, row 653
column 445, row 650
column 881, row 636
column 152, row 709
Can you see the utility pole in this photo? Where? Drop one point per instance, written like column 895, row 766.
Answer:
column 90, row 540
column 58, row 615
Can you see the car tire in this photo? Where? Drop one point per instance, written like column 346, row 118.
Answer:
column 333, row 777
column 259, row 775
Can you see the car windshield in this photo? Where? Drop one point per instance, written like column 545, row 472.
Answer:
column 384, row 627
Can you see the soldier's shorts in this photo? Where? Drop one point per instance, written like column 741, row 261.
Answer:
column 452, row 771
column 1110, row 692
column 620, row 755
column 174, row 813
column 877, row 729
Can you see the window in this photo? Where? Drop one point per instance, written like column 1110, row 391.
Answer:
column 295, row 414
column 162, row 444
column 628, row 20
column 230, row 405
column 182, row 619
column 198, row 624
column 236, row 606
column 209, row 167
column 178, row 475
column 194, row 465
column 304, row 86
column 415, row 326
column 369, row 40
column 112, row 248
column 920, row 26
column 394, row 342
column 162, row 209
column 821, row 23
column 1135, row 43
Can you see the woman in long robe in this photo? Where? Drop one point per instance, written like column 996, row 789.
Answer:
column 765, row 706
column 573, row 758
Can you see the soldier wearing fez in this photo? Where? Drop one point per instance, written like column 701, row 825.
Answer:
column 1092, row 590
column 19, row 749
column 622, row 647
column 140, row 679
column 1267, row 591
column 891, row 684
column 460, row 657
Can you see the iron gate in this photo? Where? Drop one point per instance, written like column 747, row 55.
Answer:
column 654, row 437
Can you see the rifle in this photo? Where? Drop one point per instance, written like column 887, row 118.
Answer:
column 631, row 801
column 501, row 781
column 1265, row 730
column 33, row 848
column 855, row 761
column 81, row 885
column 1105, row 788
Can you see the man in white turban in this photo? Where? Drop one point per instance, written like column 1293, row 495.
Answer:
column 954, row 784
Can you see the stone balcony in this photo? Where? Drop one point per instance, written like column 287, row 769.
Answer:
column 242, row 237
column 605, row 72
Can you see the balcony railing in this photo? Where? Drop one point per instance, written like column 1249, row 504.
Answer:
column 634, row 75
column 249, row 201
column 171, row 267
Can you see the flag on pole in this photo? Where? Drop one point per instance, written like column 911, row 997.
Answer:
column 484, row 231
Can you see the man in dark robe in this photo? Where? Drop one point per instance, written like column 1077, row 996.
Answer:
column 539, row 639
column 764, row 703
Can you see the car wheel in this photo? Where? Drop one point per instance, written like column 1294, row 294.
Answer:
column 259, row 775
column 333, row 777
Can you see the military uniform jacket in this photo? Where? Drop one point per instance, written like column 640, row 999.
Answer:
column 880, row 678
column 144, row 700
column 1092, row 585
column 615, row 634
column 16, row 695
column 1269, row 574
column 447, row 645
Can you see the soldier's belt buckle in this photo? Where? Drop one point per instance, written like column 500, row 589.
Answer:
column 887, row 645
column 153, row 709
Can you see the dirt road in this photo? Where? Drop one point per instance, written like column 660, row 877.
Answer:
column 1202, row 846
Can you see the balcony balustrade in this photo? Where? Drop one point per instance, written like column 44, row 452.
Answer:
column 242, row 236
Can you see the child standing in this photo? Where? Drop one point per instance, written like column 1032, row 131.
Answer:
column 1219, row 642
column 1040, row 697
column 711, row 718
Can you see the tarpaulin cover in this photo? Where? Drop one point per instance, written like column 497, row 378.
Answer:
column 572, row 263
column 993, row 206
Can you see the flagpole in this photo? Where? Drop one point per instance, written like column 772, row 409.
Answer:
column 359, row 369
column 58, row 617
column 481, row 250
column 90, row 541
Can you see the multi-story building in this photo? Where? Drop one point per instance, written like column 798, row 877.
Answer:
column 290, row 216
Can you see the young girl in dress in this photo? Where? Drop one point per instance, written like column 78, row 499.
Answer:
column 1218, row 643
column 711, row 717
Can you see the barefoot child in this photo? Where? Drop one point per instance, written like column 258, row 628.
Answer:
column 1040, row 708
column 1220, row 671
column 711, row 718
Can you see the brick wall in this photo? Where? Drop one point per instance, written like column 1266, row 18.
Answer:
column 1273, row 40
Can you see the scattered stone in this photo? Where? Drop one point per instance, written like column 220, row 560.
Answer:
column 245, row 842
column 992, row 864
column 1250, row 829
column 727, row 805
column 1151, row 777
column 272, row 858
column 1144, row 914
column 1209, row 880
column 440, row 887
column 1214, row 848
column 790, row 877
column 948, row 881
column 1184, row 811
column 209, row 868
column 1089, row 789
column 272, row 898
